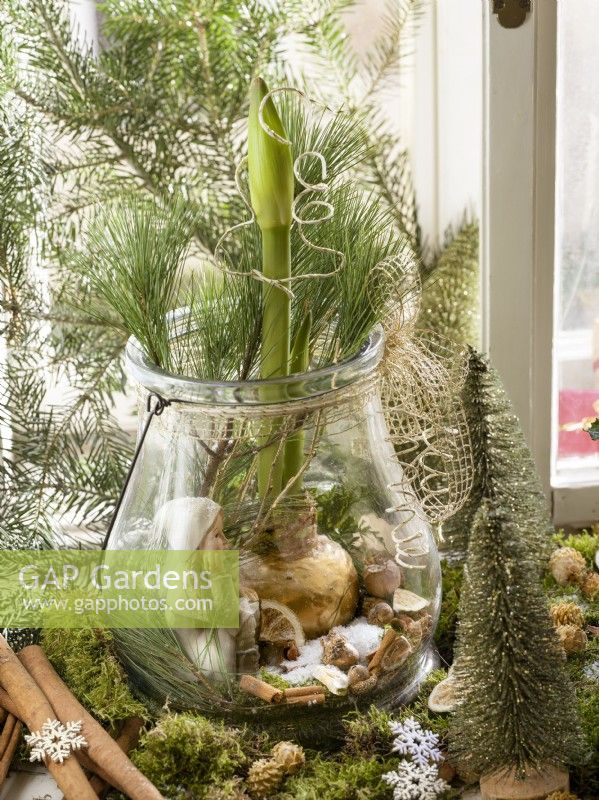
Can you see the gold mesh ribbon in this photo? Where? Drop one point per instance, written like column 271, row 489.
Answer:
column 422, row 376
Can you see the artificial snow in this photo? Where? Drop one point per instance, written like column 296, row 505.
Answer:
column 359, row 633
column 300, row 675
column 309, row 654
column 364, row 636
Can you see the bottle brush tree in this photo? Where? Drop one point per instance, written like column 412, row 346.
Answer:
column 516, row 705
column 450, row 289
column 504, row 472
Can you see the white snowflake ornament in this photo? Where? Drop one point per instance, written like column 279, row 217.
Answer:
column 413, row 782
column 55, row 741
column 412, row 740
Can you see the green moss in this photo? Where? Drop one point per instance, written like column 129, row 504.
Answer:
column 85, row 661
column 586, row 542
column 343, row 778
column 557, row 593
column 453, row 577
column 274, row 680
column 335, row 516
column 437, row 723
column 231, row 789
column 585, row 778
column 368, row 734
column 591, row 612
column 187, row 755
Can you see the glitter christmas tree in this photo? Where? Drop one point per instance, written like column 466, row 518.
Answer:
column 450, row 291
column 516, row 705
column 504, row 472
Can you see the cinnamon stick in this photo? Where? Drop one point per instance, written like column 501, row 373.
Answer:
column 7, row 705
column 301, row 691
column 390, row 636
column 307, row 699
column 127, row 740
column 35, row 710
column 7, row 730
column 261, row 689
column 8, row 751
column 102, row 750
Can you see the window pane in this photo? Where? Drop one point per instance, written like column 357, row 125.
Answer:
column 577, row 246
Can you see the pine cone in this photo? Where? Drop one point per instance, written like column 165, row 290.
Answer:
column 573, row 639
column 567, row 565
column 289, row 755
column 265, row 777
column 590, row 585
column 567, row 614
column 562, row 796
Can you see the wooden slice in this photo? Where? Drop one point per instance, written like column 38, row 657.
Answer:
column 536, row 786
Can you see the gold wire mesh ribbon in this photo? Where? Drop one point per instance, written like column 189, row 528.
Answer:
column 422, row 376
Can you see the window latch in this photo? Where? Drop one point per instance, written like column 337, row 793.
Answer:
column 511, row 13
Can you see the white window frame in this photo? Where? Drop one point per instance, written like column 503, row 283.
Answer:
column 519, row 224
column 496, row 106
column 518, row 215
column 440, row 115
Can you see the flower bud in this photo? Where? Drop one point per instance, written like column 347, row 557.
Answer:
column 270, row 163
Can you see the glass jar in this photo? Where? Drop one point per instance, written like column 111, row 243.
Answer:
column 339, row 572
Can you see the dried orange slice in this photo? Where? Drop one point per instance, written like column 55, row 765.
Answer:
column 279, row 624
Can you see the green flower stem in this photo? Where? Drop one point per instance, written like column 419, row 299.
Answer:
column 276, row 303
column 271, row 183
column 294, row 446
column 276, row 325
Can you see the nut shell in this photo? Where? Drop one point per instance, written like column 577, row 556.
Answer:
column 410, row 602
column 363, row 687
column 380, row 614
column 443, row 697
column 357, row 674
column 381, row 580
column 332, row 677
column 337, row 651
column 394, row 656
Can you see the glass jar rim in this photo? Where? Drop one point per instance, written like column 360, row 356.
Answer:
column 289, row 388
